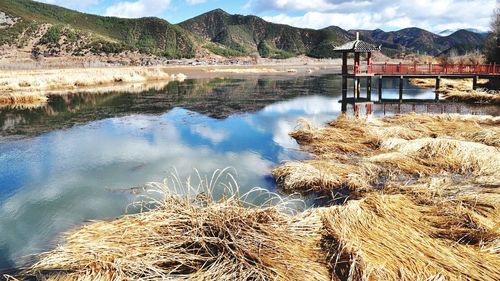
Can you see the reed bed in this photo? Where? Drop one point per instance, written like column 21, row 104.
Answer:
column 426, row 195
column 361, row 155
column 193, row 237
column 22, row 100
column 36, row 98
column 53, row 79
column 460, row 90
column 461, row 84
column 447, row 236
column 482, row 129
column 390, row 237
column 324, row 175
column 423, row 203
column 32, row 86
column 474, row 96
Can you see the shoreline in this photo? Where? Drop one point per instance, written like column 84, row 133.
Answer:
column 32, row 86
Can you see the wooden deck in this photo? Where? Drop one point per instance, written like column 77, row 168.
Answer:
column 424, row 70
column 433, row 69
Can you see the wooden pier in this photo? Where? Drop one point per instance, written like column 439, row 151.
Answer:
column 402, row 71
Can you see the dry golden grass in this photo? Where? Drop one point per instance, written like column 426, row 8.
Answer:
column 68, row 79
column 390, row 237
column 460, row 90
column 482, row 129
column 445, row 84
column 195, row 238
column 323, row 175
column 22, row 100
column 429, row 189
column 39, row 98
column 427, row 207
column 331, row 141
column 428, row 156
column 474, row 96
column 363, row 154
column 435, row 231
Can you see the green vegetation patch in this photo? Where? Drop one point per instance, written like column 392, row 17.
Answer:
column 222, row 51
column 268, row 51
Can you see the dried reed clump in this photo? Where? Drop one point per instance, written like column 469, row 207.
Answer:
column 331, row 142
column 323, row 175
column 460, row 90
column 194, row 238
column 465, row 213
column 69, row 79
column 482, row 129
column 22, row 100
column 474, row 96
column 445, row 84
column 389, row 237
column 364, row 154
column 427, row 156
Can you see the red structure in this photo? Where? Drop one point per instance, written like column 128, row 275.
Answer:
column 434, row 69
column 357, row 47
column 400, row 71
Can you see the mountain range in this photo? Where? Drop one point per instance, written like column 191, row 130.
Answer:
column 52, row 30
column 447, row 32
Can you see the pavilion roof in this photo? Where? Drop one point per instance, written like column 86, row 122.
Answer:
column 357, row 46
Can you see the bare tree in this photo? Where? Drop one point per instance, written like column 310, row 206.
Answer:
column 492, row 45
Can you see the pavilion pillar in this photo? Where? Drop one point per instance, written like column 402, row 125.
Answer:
column 438, row 81
column 369, row 88
column 369, row 62
column 357, row 81
column 401, row 81
column 344, row 94
column 356, row 63
column 344, row 62
column 380, row 88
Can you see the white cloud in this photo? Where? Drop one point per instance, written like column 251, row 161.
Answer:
column 139, row 8
column 212, row 134
column 370, row 14
column 70, row 195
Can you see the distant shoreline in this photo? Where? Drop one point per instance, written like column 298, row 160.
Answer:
column 32, row 86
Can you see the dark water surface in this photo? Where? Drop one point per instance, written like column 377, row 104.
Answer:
column 78, row 157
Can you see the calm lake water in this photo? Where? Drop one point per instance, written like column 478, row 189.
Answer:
column 81, row 156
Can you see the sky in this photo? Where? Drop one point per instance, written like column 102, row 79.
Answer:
column 433, row 15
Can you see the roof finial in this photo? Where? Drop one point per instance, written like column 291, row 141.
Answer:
column 357, row 36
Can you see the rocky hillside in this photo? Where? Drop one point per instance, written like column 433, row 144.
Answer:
column 53, row 30
column 243, row 35
column 48, row 30
column 412, row 40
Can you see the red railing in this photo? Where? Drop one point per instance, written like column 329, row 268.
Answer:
column 400, row 68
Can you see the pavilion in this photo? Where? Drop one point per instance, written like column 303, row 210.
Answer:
column 357, row 47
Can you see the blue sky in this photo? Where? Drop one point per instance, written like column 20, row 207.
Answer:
column 433, row 15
